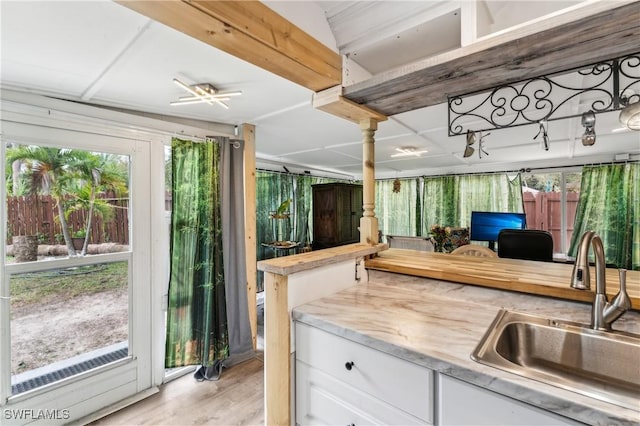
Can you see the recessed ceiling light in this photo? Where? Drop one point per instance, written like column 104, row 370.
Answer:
column 409, row 151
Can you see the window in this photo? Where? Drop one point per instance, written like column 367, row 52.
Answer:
column 550, row 202
column 77, row 317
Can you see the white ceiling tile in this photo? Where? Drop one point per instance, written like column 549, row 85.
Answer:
column 67, row 48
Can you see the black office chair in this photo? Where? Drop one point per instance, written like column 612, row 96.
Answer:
column 527, row 244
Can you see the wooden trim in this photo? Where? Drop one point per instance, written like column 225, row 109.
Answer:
column 288, row 265
column 248, row 134
column 277, row 357
column 579, row 37
column 253, row 32
column 332, row 101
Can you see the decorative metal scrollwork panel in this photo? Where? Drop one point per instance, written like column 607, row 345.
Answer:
column 605, row 86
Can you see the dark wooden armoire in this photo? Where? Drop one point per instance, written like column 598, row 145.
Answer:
column 337, row 208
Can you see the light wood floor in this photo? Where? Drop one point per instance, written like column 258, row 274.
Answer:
column 235, row 399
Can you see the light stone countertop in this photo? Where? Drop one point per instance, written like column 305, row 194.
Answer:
column 437, row 324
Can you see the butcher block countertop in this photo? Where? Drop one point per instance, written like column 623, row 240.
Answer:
column 525, row 276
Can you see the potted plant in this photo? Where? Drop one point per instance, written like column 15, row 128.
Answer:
column 78, row 238
column 446, row 239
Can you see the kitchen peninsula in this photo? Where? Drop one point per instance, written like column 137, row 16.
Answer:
column 434, row 325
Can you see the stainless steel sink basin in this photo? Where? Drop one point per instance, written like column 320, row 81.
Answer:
column 602, row 365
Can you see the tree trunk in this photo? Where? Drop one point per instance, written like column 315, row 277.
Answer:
column 15, row 169
column 25, row 248
column 92, row 200
column 65, row 228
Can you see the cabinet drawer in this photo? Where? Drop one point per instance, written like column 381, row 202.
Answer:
column 483, row 407
column 400, row 383
column 324, row 400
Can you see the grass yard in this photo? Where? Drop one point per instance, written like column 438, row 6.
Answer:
column 65, row 284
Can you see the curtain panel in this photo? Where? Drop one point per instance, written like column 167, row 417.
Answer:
column 233, row 247
column 196, row 317
column 449, row 200
column 609, row 204
column 398, row 207
column 272, row 188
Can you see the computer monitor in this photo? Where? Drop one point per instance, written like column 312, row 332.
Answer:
column 485, row 226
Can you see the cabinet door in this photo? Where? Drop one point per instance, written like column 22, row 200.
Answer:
column 348, row 213
column 461, row 403
column 343, row 214
column 324, row 218
column 399, row 383
column 323, row 400
column 355, row 213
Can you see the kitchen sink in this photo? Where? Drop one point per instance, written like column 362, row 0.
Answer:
column 600, row 364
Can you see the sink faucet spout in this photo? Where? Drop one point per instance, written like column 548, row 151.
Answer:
column 603, row 313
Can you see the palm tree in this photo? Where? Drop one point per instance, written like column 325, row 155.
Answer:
column 97, row 173
column 47, row 171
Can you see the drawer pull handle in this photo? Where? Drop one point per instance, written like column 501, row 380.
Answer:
column 349, row 365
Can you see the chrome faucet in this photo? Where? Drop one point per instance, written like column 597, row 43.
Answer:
column 603, row 313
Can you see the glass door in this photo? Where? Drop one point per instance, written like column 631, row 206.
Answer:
column 74, row 312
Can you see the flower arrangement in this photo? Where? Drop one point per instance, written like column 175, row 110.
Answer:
column 446, row 239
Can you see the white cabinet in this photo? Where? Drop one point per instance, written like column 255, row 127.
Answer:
column 460, row 403
column 342, row 382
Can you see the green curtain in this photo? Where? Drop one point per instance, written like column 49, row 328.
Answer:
column 272, row 188
column 196, row 316
column 609, row 204
column 398, row 207
column 449, row 200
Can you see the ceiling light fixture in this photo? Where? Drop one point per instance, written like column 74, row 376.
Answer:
column 203, row 92
column 480, row 148
column 409, row 151
column 589, row 123
column 545, row 137
column 630, row 116
column 471, row 139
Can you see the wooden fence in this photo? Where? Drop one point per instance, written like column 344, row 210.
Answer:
column 544, row 211
column 38, row 215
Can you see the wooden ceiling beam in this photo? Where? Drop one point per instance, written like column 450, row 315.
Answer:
column 332, row 101
column 252, row 32
column 571, row 40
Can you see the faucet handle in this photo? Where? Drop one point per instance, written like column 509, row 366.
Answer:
column 625, row 301
column 620, row 303
column 622, row 278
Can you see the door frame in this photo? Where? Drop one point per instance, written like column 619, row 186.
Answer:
column 80, row 395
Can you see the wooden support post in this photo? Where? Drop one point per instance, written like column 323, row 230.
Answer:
column 248, row 134
column 368, row 221
column 291, row 281
column 277, row 353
